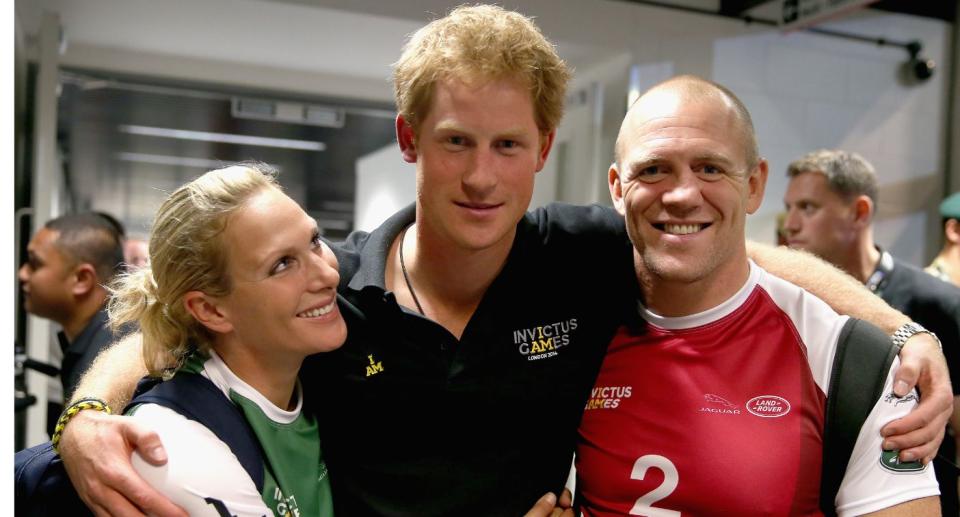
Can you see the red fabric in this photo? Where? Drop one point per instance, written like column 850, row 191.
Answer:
column 684, row 398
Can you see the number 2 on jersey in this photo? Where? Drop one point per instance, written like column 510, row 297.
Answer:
column 644, row 504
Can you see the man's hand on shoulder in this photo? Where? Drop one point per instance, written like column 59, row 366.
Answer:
column 96, row 450
column 918, row 435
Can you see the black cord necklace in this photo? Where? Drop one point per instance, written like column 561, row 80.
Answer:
column 406, row 277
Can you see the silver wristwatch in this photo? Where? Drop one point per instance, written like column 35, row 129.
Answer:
column 907, row 330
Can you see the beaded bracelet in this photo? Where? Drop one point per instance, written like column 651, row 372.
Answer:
column 71, row 411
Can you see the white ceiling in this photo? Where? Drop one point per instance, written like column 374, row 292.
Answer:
column 274, row 34
column 357, row 38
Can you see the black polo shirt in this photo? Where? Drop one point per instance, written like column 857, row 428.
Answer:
column 416, row 422
column 79, row 355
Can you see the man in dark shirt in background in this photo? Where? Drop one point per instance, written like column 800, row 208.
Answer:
column 831, row 202
column 70, row 261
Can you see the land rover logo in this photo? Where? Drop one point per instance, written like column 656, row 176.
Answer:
column 890, row 460
column 768, row 406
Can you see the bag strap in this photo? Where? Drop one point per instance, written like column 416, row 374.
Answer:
column 860, row 367
column 197, row 398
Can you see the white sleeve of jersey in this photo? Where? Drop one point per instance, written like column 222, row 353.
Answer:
column 868, row 485
column 200, row 468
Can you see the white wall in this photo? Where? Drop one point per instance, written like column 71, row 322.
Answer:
column 385, row 184
column 807, row 92
column 595, row 105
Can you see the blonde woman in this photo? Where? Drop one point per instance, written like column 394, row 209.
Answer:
column 239, row 290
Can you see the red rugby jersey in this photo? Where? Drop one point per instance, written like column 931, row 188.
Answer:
column 721, row 413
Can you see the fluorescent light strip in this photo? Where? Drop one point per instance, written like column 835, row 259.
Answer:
column 205, row 136
column 176, row 161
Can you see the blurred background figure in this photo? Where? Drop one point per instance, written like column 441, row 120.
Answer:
column 69, row 262
column 135, row 253
column 831, row 201
column 946, row 265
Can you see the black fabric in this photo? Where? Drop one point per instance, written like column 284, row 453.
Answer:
column 42, row 487
column 931, row 302
column 417, row 422
column 860, row 367
column 78, row 355
column 935, row 304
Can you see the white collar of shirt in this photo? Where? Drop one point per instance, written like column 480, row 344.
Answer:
column 220, row 374
column 710, row 315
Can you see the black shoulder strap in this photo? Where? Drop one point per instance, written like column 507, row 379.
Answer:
column 197, row 398
column 860, row 367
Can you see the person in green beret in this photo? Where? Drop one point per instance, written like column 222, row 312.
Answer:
column 946, row 265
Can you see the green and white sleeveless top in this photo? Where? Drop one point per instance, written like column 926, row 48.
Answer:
column 202, row 475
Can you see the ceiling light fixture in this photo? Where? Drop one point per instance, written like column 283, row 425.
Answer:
column 225, row 138
column 176, row 161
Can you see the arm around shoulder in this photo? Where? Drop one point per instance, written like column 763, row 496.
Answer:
column 96, row 447
column 919, row 434
column 875, row 478
column 841, row 291
column 201, row 475
column 114, row 373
